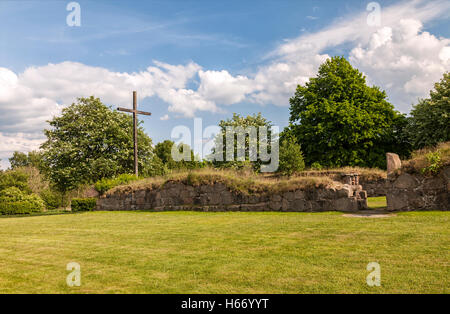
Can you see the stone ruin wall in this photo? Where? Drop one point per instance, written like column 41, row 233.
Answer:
column 218, row 197
column 407, row 191
column 374, row 187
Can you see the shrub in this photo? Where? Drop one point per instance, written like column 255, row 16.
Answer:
column 52, row 199
column 83, row 204
column 14, row 178
column 291, row 156
column 434, row 160
column 14, row 201
column 428, row 160
column 106, row 184
column 155, row 168
column 316, row 166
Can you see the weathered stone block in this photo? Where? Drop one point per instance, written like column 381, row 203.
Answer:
column 346, row 204
column 299, row 195
column 275, row 205
column 393, row 162
column 405, row 181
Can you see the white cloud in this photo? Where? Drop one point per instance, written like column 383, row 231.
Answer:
column 404, row 60
column 164, row 117
column 10, row 142
column 222, row 88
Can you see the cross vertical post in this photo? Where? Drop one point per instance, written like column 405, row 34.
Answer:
column 135, row 137
column 135, row 113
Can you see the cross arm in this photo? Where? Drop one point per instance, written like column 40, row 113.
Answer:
column 132, row 111
column 125, row 109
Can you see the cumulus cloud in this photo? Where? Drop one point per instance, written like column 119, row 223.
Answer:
column 403, row 59
column 164, row 117
column 223, row 88
column 10, row 142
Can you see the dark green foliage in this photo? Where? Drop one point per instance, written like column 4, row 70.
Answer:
column 163, row 151
column 14, row 201
column 340, row 121
column 88, row 142
column 156, row 168
column 14, row 178
column 430, row 118
column 316, row 166
column 32, row 159
column 83, row 204
column 52, row 199
column 291, row 156
column 106, row 184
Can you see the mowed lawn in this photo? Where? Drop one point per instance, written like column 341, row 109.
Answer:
column 234, row 252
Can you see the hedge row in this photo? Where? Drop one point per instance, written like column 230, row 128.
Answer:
column 13, row 201
column 83, row 204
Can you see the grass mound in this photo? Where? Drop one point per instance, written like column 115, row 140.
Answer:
column 241, row 181
column 428, row 160
column 367, row 174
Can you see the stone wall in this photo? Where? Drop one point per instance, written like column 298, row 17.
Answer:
column 407, row 191
column 374, row 187
column 218, row 197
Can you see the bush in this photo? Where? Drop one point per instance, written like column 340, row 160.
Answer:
column 155, row 168
column 291, row 156
column 83, row 204
column 316, row 166
column 52, row 199
column 14, row 178
column 14, row 201
column 435, row 163
column 106, row 184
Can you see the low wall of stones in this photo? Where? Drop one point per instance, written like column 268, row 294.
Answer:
column 218, row 197
column 407, row 191
column 374, row 187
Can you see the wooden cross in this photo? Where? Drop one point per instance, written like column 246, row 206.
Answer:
column 135, row 113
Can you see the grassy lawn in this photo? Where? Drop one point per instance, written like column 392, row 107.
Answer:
column 194, row 252
column 378, row 202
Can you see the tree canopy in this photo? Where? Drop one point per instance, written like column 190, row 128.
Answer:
column 430, row 118
column 340, row 121
column 88, row 142
column 236, row 122
column 20, row 159
column 163, row 151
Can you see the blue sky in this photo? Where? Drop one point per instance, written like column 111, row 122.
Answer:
column 208, row 59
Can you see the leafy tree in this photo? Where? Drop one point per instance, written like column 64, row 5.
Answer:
column 256, row 120
column 20, row 159
column 430, row 118
column 291, row 156
column 163, row 151
column 88, row 142
column 14, row 178
column 340, row 121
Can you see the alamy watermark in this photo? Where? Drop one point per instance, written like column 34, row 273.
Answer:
column 230, row 144
column 374, row 277
column 73, row 279
column 74, row 17
column 374, row 17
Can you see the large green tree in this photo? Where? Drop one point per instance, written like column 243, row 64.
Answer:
column 430, row 118
column 90, row 141
column 340, row 121
column 236, row 123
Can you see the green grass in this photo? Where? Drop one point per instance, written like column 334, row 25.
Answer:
column 378, row 202
column 196, row 252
